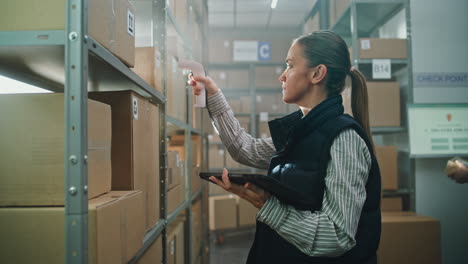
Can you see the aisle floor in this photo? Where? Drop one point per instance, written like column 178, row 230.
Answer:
column 234, row 249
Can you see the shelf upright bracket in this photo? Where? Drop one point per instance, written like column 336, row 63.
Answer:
column 354, row 33
column 76, row 132
column 159, row 18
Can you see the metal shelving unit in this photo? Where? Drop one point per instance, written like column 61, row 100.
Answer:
column 76, row 64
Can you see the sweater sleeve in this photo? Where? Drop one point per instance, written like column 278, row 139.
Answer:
column 241, row 146
column 331, row 231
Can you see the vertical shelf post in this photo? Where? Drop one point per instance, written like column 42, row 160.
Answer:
column 76, row 133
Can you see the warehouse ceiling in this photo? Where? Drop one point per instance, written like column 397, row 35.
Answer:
column 258, row 13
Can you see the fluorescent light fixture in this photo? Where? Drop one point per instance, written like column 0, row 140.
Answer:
column 10, row 86
column 274, row 3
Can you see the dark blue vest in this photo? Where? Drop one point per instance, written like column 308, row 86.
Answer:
column 303, row 146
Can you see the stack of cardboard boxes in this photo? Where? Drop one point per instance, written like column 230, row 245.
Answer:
column 230, row 212
column 175, row 180
column 122, row 182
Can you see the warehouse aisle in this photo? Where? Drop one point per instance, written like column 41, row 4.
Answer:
column 234, row 250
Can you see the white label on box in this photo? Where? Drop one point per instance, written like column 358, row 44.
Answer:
column 264, row 135
column 245, row 50
column 222, row 75
column 221, row 152
column 131, row 23
column 365, row 44
column 381, row 69
column 226, row 43
column 172, row 248
column 158, row 59
column 279, row 70
column 259, row 98
column 135, row 107
column 210, row 137
column 264, row 116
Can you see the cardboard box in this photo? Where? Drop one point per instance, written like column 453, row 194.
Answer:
column 176, row 91
column 268, row 76
column 230, row 162
column 197, row 228
column 215, row 190
column 391, row 204
column 244, row 122
column 132, row 217
column 247, row 215
column 135, row 147
column 235, row 105
column 376, row 48
column 271, row 103
column 246, row 104
column 174, row 170
column 220, row 50
column 223, row 212
column 216, row 156
column 175, row 197
column 177, row 143
column 263, row 130
column 110, row 22
column 148, row 66
column 214, row 138
column 387, row 159
column 153, row 254
column 106, row 232
column 196, row 180
column 421, row 236
column 175, row 243
column 32, row 163
column 384, row 104
column 220, row 78
column 238, row 79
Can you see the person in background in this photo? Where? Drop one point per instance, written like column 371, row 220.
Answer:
column 457, row 170
column 317, row 150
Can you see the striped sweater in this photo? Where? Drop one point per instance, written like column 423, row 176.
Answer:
column 328, row 232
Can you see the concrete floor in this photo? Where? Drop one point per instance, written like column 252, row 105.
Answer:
column 234, row 249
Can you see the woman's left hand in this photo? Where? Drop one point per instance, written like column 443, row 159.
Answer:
column 250, row 192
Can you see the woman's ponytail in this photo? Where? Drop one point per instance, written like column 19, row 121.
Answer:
column 360, row 101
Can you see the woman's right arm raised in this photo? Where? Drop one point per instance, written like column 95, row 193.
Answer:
column 242, row 146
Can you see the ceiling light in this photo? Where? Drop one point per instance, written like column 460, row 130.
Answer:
column 274, row 3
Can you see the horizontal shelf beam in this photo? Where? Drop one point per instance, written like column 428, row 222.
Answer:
column 112, row 60
column 172, row 216
column 149, row 239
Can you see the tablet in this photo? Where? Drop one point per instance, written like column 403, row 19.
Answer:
column 282, row 192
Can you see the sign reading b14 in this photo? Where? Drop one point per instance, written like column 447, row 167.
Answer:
column 251, row 50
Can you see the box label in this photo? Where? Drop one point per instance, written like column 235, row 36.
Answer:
column 365, row 44
column 264, row 51
column 381, row 69
column 130, row 23
column 172, row 248
column 135, row 107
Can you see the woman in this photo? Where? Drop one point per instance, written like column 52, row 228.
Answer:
column 317, row 150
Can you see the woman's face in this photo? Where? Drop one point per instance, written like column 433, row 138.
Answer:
column 296, row 77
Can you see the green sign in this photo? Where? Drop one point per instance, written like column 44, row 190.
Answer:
column 438, row 129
